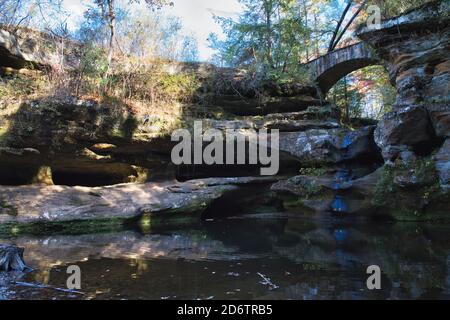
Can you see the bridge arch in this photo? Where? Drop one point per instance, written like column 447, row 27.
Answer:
column 330, row 68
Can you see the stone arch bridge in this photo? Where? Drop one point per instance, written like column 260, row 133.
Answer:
column 331, row 67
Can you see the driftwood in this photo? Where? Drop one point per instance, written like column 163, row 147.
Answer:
column 11, row 259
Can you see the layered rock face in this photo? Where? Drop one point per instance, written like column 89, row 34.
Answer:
column 68, row 143
column 79, row 149
column 416, row 50
column 413, row 138
column 101, row 162
column 27, row 48
column 90, row 145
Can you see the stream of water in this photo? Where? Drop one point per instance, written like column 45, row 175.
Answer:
column 252, row 257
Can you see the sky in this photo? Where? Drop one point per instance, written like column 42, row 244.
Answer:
column 196, row 15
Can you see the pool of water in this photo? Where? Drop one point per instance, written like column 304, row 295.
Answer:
column 255, row 257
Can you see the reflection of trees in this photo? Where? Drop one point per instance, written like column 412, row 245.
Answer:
column 307, row 260
column 413, row 258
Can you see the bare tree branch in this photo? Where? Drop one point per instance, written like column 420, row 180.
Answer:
column 338, row 26
column 348, row 25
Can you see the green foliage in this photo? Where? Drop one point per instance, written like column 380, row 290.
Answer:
column 365, row 93
column 134, row 79
column 392, row 8
column 150, row 83
column 385, row 186
column 18, row 85
column 315, row 172
column 293, row 74
column 94, row 61
column 421, row 171
column 5, row 208
column 425, row 170
column 93, row 66
column 310, row 188
column 267, row 36
column 180, row 86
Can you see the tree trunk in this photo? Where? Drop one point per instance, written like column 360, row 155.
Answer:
column 267, row 12
column 11, row 259
column 306, row 27
column 316, row 40
column 111, row 24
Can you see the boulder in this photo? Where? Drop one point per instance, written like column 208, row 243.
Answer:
column 400, row 192
column 328, row 194
column 321, row 146
column 303, row 186
column 24, row 48
column 399, row 129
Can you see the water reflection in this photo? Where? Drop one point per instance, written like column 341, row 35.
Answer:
column 232, row 259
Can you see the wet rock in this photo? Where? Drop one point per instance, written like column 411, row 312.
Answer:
column 319, row 117
column 14, row 152
column 410, row 180
column 328, row 194
column 442, row 162
column 11, row 258
column 394, row 192
column 323, row 112
column 407, row 156
column 304, row 186
column 329, row 146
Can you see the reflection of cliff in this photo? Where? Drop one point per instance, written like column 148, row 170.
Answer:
column 47, row 252
column 413, row 260
column 305, row 259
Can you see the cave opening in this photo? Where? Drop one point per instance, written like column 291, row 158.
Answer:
column 85, row 179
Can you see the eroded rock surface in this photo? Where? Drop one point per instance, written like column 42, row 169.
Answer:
column 27, row 48
column 37, row 204
column 321, row 146
column 406, row 126
column 415, row 48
